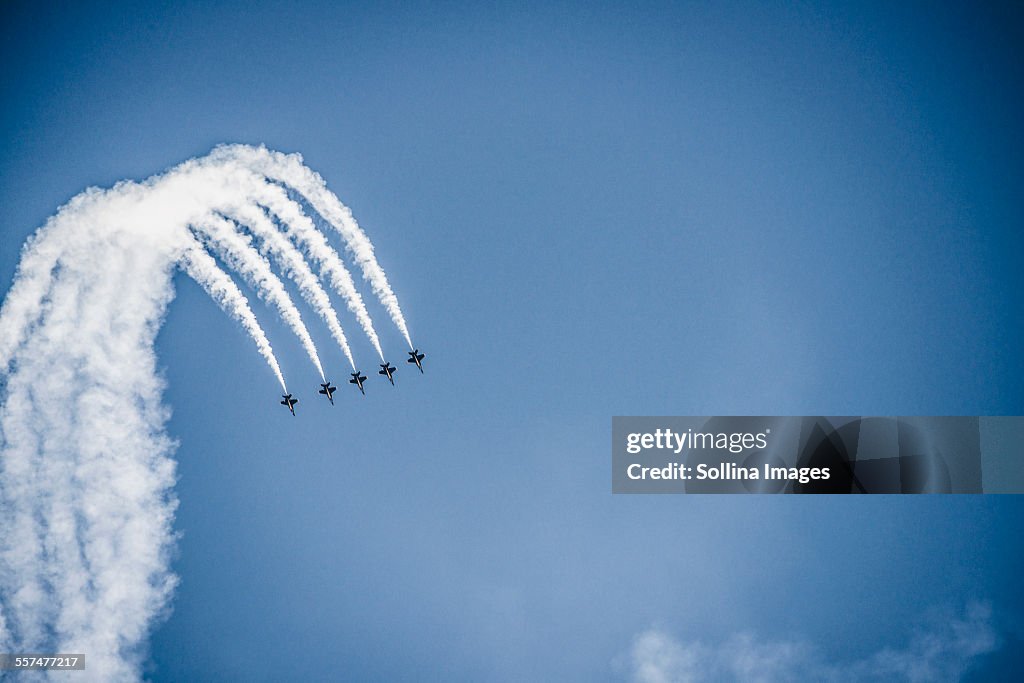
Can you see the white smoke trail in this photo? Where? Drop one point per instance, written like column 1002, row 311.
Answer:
column 86, row 504
column 236, row 251
column 300, row 228
column 289, row 170
column 31, row 283
column 201, row 267
column 291, row 262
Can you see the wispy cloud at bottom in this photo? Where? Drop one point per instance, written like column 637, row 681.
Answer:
column 943, row 651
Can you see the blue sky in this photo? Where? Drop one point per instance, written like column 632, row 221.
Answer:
column 586, row 210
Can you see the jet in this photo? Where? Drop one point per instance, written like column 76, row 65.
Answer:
column 290, row 402
column 328, row 391
column 358, row 380
column 388, row 370
column 415, row 357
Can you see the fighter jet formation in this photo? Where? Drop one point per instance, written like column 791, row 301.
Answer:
column 327, row 389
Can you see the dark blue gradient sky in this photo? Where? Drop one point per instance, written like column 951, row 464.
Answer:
column 586, row 210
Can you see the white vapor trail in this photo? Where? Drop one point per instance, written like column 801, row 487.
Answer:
column 300, row 228
column 86, row 468
column 236, row 250
column 289, row 170
column 294, row 265
column 202, row 268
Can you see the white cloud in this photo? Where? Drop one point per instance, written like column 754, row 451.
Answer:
column 659, row 658
column 942, row 652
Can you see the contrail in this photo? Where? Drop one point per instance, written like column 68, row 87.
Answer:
column 32, row 281
column 289, row 170
column 236, row 250
column 300, row 228
column 303, row 232
column 294, row 266
column 202, row 268
column 86, row 473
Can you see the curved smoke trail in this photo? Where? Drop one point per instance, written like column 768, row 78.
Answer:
column 237, row 251
column 301, row 230
column 292, row 263
column 201, row 267
column 289, row 170
column 86, row 499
